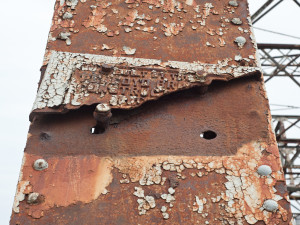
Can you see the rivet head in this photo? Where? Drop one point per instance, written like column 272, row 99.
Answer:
column 33, row 198
column 270, row 205
column 233, row 3
column 264, row 170
column 40, row 164
column 240, row 41
column 102, row 107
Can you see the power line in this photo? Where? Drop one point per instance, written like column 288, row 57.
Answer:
column 283, row 109
column 274, row 32
column 290, row 106
column 286, row 107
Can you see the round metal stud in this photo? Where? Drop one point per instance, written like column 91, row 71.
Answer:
column 233, row 3
column 240, row 41
column 270, row 205
column 33, row 198
column 264, row 170
column 40, row 164
column 102, row 107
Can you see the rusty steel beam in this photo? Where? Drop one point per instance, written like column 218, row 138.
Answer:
column 277, row 46
column 151, row 112
column 285, row 116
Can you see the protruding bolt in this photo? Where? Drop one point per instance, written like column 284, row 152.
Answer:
column 270, row 205
column 40, row 164
column 233, row 3
column 240, row 41
column 33, row 198
column 264, row 170
column 102, row 108
column 107, row 68
column 102, row 114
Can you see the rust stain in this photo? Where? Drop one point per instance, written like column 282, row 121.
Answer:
column 196, row 155
column 84, row 178
column 181, row 57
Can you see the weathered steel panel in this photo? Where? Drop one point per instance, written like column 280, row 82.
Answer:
column 91, row 176
column 195, row 155
column 127, row 52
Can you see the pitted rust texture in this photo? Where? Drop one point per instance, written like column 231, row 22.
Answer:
column 125, row 53
column 139, row 172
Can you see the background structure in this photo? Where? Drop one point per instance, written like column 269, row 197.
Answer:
column 25, row 27
column 281, row 66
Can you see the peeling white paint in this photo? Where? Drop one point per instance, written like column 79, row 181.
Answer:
column 20, row 196
column 58, row 86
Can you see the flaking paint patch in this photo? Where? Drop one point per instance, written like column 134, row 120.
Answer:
column 253, row 40
column 243, row 197
column 99, row 16
column 244, row 194
column 58, row 85
column 20, row 196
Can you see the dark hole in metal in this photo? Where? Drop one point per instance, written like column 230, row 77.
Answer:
column 208, row 135
column 97, row 130
column 44, row 136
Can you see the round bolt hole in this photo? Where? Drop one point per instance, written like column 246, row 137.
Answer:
column 97, row 130
column 208, row 135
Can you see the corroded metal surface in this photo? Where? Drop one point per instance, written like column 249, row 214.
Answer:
column 172, row 125
column 195, row 155
column 127, row 52
column 129, row 172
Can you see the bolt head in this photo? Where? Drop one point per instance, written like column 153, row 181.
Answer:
column 33, row 198
column 240, row 41
column 233, row 3
column 40, row 164
column 264, row 170
column 102, row 107
column 270, row 205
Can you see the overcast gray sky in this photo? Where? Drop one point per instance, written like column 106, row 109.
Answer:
column 24, row 30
